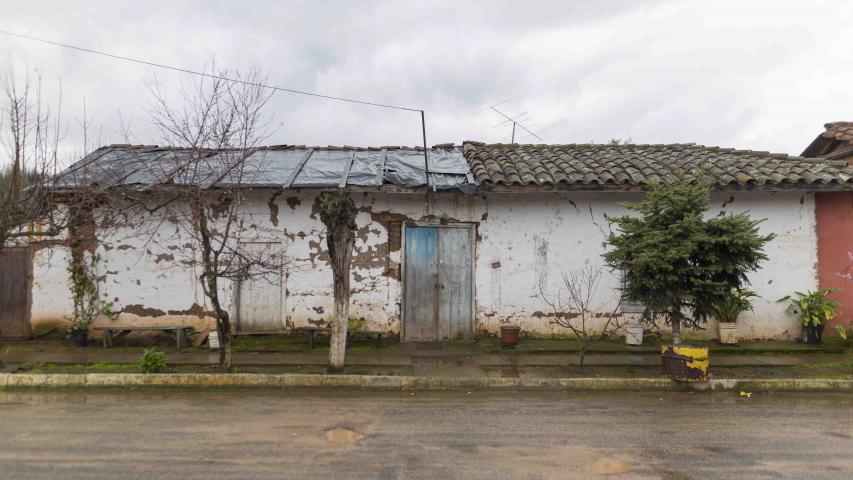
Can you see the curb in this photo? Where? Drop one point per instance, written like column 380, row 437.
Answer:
column 383, row 382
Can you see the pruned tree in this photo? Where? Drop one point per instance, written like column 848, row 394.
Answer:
column 201, row 186
column 337, row 212
column 573, row 307
column 677, row 263
column 30, row 132
column 36, row 203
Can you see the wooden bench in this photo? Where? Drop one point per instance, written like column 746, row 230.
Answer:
column 114, row 333
column 313, row 330
column 367, row 334
column 312, row 333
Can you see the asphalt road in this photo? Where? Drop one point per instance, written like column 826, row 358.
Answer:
column 360, row 435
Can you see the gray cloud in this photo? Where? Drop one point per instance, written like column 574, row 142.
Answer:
column 761, row 75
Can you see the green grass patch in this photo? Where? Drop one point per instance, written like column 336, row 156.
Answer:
column 532, row 345
column 82, row 368
column 298, row 343
column 270, row 343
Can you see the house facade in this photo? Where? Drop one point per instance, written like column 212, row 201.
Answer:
column 484, row 243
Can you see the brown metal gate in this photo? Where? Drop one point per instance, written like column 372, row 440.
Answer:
column 16, row 279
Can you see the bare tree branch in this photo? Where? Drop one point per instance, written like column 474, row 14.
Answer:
column 572, row 307
column 217, row 124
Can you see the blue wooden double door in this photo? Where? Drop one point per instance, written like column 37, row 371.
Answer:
column 438, row 283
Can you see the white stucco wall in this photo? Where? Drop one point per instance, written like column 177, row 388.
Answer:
column 51, row 299
column 524, row 241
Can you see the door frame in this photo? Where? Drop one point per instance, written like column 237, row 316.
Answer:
column 471, row 335
column 236, row 327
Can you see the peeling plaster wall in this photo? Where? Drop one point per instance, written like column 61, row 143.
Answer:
column 792, row 263
column 524, row 243
column 151, row 279
column 51, row 292
column 529, row 240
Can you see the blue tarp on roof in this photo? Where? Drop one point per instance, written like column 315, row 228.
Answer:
column 278, row 167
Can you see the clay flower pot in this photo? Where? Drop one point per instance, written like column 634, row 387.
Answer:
column 509, row 335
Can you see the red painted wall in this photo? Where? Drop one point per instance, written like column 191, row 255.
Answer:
column 835, row 251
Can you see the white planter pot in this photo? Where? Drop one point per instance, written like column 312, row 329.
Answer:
column 213, row 340
column 728, row 333
column 634, row 334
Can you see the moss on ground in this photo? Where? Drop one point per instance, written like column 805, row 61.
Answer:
column 529, row 345
column 298, row 343
column 271, row 343
column 83, row 368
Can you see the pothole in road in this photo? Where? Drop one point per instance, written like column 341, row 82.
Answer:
column 343, row 435
column 607, row 466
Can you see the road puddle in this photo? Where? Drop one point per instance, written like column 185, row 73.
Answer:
column 607, row 466
column 343, row 435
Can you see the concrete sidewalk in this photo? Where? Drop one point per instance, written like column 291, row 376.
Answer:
column 433, row 367
column 438, row 361
column 22, row 353
column 382, row 359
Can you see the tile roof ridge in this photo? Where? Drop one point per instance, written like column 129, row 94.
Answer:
column 841, row 123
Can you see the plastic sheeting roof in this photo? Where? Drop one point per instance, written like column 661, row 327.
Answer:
column 279, row 167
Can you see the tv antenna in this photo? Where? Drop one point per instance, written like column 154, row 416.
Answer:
column 518, row 121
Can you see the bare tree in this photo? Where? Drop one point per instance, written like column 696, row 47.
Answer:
column 124, row 129
column 218, row 124
column 30, row 133
column 572, row 308
column 86, row 123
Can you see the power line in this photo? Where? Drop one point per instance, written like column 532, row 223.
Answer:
column 235, row 80
column 203, row 74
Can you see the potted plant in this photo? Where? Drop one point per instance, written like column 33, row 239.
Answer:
column 509, row 335
column 83, row 317
column 727, row 308
column 814, row 310
column 678, row 263
column 78, row 331
column 85, row 299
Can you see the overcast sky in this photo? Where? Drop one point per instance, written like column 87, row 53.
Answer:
column 762, row 75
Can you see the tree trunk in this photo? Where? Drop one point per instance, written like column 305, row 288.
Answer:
column 340, row 243
column 223, row 328
column 338, row 342
column 223, row 320
column 211, row 281
column 676, row 329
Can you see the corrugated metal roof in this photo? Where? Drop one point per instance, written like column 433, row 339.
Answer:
column 279, row 166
